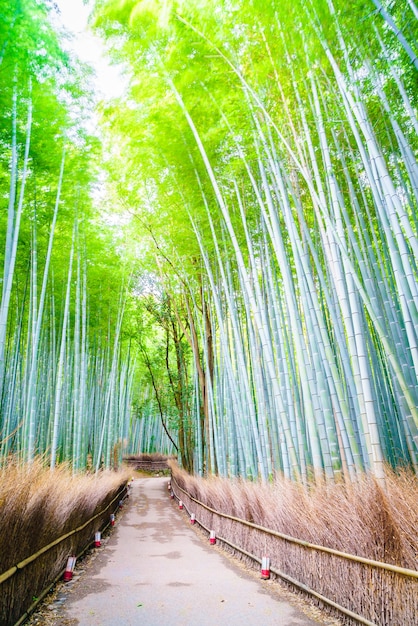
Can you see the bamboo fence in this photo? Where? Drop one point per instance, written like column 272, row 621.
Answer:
column 26, row 583
column 360, row 590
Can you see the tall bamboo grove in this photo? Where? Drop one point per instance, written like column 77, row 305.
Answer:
column 270, row 149
column 65, row 378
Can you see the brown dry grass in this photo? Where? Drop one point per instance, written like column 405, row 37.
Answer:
column 360, row 519
column 36, row 507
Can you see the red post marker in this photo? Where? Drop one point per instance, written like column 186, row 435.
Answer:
column 97, row 540
column 212, row 538
column 68, row 574
column 192, row 518
column 169, row 486
column 112, row 519
column 121, row 504
column 180, row 504
column 265, row 568
column 172, row 494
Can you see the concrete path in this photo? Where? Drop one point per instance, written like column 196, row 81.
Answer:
column 157, row 570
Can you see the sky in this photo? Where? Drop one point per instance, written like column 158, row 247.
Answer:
column 74, row 16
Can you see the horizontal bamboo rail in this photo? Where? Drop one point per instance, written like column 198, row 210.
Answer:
column 296, row 583
column 148, row 466
column 19, row 566
column 45, row 592
column 304, row 544
column 352, row 557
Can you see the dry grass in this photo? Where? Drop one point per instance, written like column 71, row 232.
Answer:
column 36, row 507
column 360, row 519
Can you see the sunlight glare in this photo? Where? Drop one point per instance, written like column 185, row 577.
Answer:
column 74, row 16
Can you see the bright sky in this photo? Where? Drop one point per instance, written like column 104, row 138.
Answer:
column 74, row 16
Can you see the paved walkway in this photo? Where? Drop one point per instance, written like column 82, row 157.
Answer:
column 156, row 570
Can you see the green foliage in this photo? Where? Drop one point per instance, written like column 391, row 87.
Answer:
column 265, row 152
column 65, row 380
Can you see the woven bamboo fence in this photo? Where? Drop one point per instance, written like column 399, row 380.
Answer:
column 359, row 590
column 148, row 466
column 148, row 462
column 25, row 584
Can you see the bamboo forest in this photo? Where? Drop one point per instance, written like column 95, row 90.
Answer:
column 221, row 262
